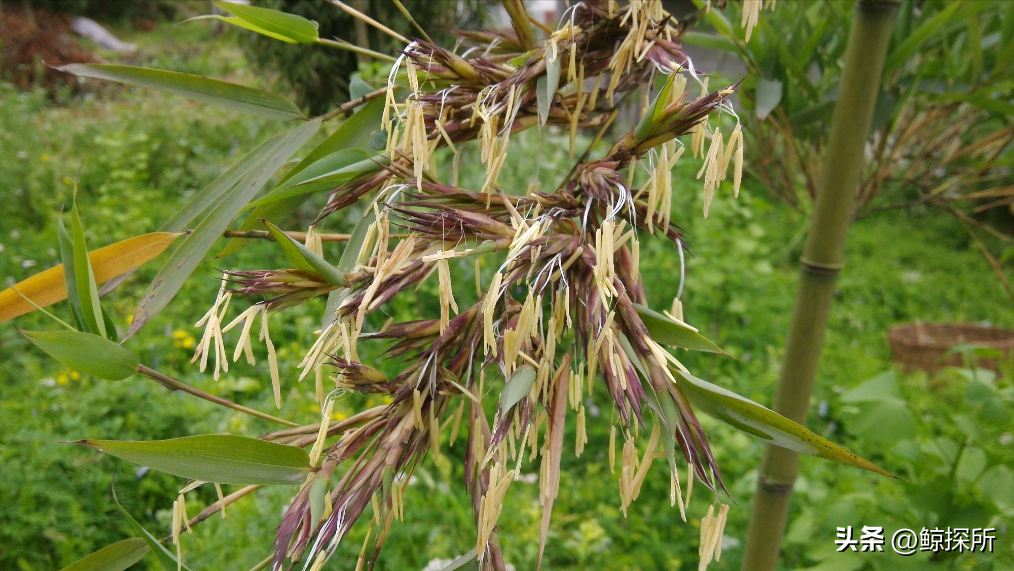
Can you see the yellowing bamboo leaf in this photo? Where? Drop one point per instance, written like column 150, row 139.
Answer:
column 219, row 458
column 49, row 286
column 116, row 557
column 756, row 420
column 87, row 353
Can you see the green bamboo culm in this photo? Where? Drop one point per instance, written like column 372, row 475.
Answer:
column 822, row 261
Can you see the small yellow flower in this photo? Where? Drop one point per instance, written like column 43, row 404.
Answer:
column 45, row 157
column 182, row 339
column 67, row 180
column 62, row 379
column 339, row 416
column 74, row 375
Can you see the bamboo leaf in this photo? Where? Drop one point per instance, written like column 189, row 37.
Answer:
column 241, row 23
column 467, row 561
column 88, row 293
column 278, row 24
column 347, row 262
column 358, row 88
column 517, row 387
column 116, row 557
column 545, row 88
column 219, row 458
column 710, row 41
column 919, row 36
column 50, row 286
column 69, row 274
column 325, row 181
column 205, row 89
column 184, row 260
column 769, row 95
column 166, row 559
column 668, row 332
column 756, row 420
column 304, row 258
column 86, row 352
column 647, row 122
column 354, row 133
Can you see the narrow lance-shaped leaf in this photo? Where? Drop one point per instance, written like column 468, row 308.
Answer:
column 347, row 262
column 304, row 258
column 165, row 558
column 184, row 260
column 756, row 420
column 88, row 293
column 904, row 52
column 669, row 332
column 354, row 133
column 328, row 180
column 517, row 388
column 69, row 274
column 652, row 113
column 87, row 353
column 116, row 557
column 205, row 89
column 219, row 458
column 50, row 286
column 279, row 24
column 545, row 87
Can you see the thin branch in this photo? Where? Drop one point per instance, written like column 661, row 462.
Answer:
column 298, row 236
column 173, row 384
column 217, row 507
column 993, row 262
column 408, row 16
column 344, row 107
column 349, row 47
column 357, row 14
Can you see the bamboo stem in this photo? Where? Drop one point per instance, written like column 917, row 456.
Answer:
column 363, row 17
column 822, row 260
column 345, row 107
column 408, row 16
column 349, row 47
column 175, row 385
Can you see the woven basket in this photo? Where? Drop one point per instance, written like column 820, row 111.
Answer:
column 921, row 345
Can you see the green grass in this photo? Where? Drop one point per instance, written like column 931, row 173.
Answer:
column 138, row 155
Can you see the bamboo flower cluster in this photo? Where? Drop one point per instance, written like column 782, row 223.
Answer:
column 560, row 313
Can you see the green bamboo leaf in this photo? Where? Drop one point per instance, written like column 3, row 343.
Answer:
column 279, row 24
column 205, row 89
column 318, row 489
column 717, row 20
column 116, row 557
column 647, row 122
column 756, row 420
column 354, row 133
column 87, row 353
column 219, row 458
column 325, row 181
column 304, row 258
column 165, row 558
column 710, row 41
column 545, row 88
column 919, row 36
column 347, row 262
column 69, row 274
column 275, row 151
column 241, row 23
column 517, row 387
column 769, row 95
column 668, row 332
column 469, row 561
column 358, row 88
column 88, row 293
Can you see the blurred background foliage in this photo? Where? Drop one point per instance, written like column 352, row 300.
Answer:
column 138, row 155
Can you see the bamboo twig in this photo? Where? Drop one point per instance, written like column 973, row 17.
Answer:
column 408, row 16
column 217, row 507
column 344, row 107
column 174, row 385
column 350, row 47
column 357, row 14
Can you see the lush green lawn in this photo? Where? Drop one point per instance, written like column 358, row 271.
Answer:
column 138, row 155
